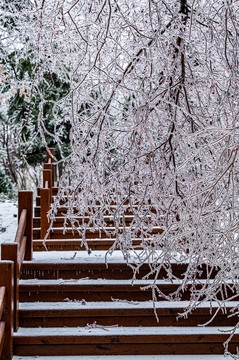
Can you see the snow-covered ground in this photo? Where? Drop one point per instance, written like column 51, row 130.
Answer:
column 8, row 221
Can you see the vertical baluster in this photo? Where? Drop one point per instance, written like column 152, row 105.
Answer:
column 45, row 207
column 25, row 201
column 9, row 251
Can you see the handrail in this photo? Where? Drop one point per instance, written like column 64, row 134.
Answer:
column 21, row 226
column 6, row 309
column 21, row 248
column 22, row 252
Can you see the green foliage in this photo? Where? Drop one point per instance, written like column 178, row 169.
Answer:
column 7, row 188
column 24, row 107
column 128, row 104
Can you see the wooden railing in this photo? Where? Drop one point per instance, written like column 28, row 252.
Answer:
column 6, row 309
column 12, row 255
column 46, row 191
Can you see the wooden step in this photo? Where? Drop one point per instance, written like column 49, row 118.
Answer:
column 94, row 340
column 97, row 264
column 76, row 270
column 101, row 289
column 60, row 221
column 88, row 289
column 124, row 313
column 90, row 233
column 77, row 244
column 127, row 211
column 63, row 202
column 127, row 357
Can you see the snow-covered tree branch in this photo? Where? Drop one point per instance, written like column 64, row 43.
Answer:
column 153, row 108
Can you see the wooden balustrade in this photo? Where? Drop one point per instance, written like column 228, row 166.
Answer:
column 6, row 309
column 13, row 254
column 21, row 248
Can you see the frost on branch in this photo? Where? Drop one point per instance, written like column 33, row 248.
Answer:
column 154, row 126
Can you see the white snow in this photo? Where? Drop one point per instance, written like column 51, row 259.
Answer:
column 8, row 221
column 126, row 357
column 124, row 304
column 99, row 256
column 99, row 281
column 123, row 331
column 81, row 256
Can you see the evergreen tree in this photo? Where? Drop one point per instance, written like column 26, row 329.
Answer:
column 22, row 94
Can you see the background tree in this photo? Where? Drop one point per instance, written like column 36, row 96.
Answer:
column 22, row 91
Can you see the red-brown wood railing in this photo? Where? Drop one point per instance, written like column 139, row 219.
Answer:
column 21, row 248
column 6, row 309
column 12, row 255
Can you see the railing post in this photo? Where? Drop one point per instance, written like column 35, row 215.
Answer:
column 45, row 207
column 47, row 177
column 50, row 167
column 50, row 154
column 9, row 252
column 25, row 201
column 6, row 279
column 50, row 161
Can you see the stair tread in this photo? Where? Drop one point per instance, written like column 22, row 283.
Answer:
column 122, row 331
column 126, row 357
column 155, row 227
column 81, row 256
column 38, row 306
column 95, row 256
column 112, row 282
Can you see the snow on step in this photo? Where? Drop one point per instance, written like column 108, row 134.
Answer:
column 107, row 228
column 126, row 357
column 82, row 256
column 122, row 331
column 95, row 282
column 74, row 305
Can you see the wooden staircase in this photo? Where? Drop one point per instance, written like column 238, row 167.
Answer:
column 80, row 307
column 70, row 303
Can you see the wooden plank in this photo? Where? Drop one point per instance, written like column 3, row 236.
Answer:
column 9, row 251
column 64, row 209
column 52, row 169
column 58, row 233
column 47, row 177
column 45, row 207
column 25, row 201
column 122, row 349
column 22, row 252
column 22, row 222
column 128, row 338
column 74, row 271
column 120, row 317
column 6, row 279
